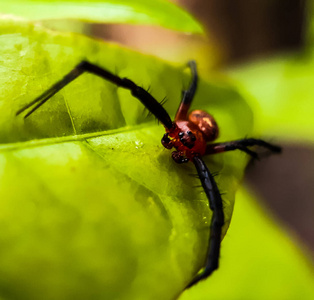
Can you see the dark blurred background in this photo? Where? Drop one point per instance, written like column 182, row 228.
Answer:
column 246, row 29
column 240, row 31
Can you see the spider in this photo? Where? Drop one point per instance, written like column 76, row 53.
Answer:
column 189, row 134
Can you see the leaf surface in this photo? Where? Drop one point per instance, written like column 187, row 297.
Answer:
column 92, row 205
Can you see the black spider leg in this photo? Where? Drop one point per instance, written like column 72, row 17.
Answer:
column 187, row 98
column 242, row 145
column 141, row 94
column 188, row 95
column 215, row 203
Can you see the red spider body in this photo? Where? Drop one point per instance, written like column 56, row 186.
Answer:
column 189, row 137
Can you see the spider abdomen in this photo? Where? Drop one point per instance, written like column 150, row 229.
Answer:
column 206, row 124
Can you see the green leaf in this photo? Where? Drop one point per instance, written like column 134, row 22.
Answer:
column 92, row 205
column 260, row 260
column 283, row 93
column 139, row 12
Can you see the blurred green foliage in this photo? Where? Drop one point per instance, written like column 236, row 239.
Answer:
column 281, row 93
column 157, row 12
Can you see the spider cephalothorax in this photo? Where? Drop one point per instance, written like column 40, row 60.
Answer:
column 191, row 135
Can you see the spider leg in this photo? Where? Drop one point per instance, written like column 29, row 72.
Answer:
column 241, row 145
column 141, row 94
column 40, row 100
column 215, row 203
column 188, row 95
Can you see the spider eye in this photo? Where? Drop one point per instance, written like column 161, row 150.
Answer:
column 189, row 132
column 181, row 134
column 193, row 138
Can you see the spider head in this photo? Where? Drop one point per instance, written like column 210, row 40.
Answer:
column 187, row 139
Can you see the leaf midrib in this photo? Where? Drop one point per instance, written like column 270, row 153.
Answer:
column 71, row 138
